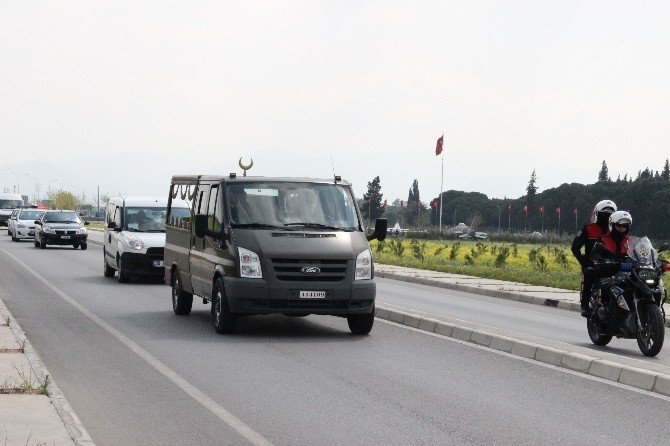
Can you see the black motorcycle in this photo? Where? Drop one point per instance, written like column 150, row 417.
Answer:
column 629, row 303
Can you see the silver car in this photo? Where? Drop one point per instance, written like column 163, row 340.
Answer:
column 22, row 223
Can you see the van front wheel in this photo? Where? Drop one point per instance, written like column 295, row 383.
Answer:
column 222, row 319
column 181, row 300
column 361, row 324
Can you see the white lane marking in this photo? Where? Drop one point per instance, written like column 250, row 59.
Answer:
column 485, row 301
column 224, row 415
column 532, row 361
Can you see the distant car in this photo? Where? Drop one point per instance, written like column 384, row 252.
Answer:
column 22, row 223
column 60, row 228
column 474, row 235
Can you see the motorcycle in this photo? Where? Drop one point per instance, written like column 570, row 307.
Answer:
column 629, row 303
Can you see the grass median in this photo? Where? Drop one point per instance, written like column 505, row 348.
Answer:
column 551, row 265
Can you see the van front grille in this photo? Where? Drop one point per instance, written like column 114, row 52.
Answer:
column 293, row 270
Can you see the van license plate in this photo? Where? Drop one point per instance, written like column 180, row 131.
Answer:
column 158, row 263
column 65, row 237
column 312, row 294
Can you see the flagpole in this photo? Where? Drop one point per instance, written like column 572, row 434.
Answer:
column 441, row 188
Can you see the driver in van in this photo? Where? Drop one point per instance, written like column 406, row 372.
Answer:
column 239, row 208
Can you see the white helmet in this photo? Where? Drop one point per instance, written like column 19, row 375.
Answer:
column 620, row 217
column 602, row 206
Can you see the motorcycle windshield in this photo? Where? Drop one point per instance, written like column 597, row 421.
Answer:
column 641, row 250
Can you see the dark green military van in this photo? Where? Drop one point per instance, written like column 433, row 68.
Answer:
column 257, row 245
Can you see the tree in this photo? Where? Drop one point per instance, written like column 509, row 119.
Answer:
column 604, row 173
column 666, row 171
column 373, row 206
column 531, row 190
column 63, row 200
column 414, row 205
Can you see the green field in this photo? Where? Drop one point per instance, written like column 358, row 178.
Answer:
column 548, row 265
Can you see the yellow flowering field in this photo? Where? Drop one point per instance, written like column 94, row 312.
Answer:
column 548, row 265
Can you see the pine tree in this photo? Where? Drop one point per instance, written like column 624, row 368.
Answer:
column 666, row 171
column 413, row 203
column 531, row 190
column 373, row 206
column 604, row 173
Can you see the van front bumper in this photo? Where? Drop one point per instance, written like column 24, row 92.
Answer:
column 255, row 296
column 60, row 239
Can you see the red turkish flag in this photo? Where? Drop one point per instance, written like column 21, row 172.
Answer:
column 438, row 147
column 558, row 210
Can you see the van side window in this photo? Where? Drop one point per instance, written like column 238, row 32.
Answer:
column 203, row 195
column 213, row 217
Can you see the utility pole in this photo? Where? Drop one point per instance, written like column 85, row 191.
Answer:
column 97, row 208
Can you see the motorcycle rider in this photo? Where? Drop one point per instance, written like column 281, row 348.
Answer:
column 610, row 250
column 586, row 238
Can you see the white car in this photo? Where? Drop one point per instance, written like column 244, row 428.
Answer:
column 22, row 223
column 135, row 235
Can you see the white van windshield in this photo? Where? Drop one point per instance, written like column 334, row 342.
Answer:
column 291, row 205
column 10, row 204
column 145, row 219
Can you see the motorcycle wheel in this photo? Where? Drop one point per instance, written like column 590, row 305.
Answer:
column 651, row 334
column 594, row 326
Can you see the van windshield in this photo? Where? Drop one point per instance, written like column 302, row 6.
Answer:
column 291, row 205
column 145, row 219
column 10, row 204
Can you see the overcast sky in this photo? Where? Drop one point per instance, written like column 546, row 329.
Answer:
column 125, row 94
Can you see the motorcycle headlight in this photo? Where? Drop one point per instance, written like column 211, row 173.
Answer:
column 48, row 230
column 250, row 264
column 134, row 242
column 364, row 265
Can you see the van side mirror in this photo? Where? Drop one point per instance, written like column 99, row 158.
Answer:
column 111, row 225
column 201, row 225
column 86, row 223
column 381, row 228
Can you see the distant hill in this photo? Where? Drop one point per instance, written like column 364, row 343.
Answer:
column 647, row 198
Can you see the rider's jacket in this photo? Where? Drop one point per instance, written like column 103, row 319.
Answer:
column 587, row 237
column 608, row 248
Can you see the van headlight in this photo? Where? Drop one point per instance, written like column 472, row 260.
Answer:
column 364, row 265
column 250, row 264
column 81, row 231
column 47, row 230
column 134, row 242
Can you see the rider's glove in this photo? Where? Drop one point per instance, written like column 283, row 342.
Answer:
column 626, row 266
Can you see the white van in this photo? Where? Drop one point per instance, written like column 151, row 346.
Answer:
column 135, row 235
column 9, row 202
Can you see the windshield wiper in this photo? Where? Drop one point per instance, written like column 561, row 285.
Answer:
column 319, row 226
column 257, row 226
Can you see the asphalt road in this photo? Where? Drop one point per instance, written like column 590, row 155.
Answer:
column 137, row 374
column 515, row 317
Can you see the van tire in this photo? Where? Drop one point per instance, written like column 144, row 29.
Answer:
column 37, row 244
column 181, row 300
column 223, row 320
column 108, row 271
column 361, row 324
column 123, row 276
column 84, row 246
column 43, row 244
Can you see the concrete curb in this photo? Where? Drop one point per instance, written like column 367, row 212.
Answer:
column 509, row 295
column 72, row 423
column 590, row 365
